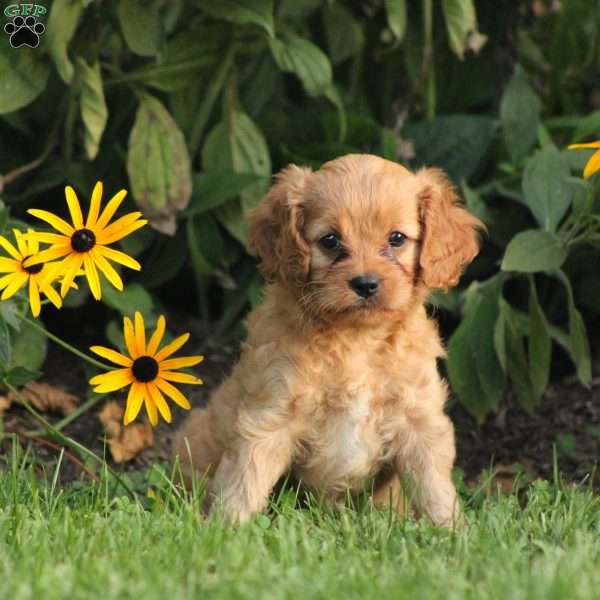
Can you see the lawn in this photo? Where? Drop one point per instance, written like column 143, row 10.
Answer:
column 88, row 540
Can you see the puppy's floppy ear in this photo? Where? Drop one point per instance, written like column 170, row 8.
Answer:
column 449, row 236
column 276, row 229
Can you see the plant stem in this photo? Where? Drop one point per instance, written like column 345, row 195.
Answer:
column 65, row 439
column 66, row 346
column 427, row 66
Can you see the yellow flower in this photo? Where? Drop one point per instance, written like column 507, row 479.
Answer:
column 39, row 276
column 86, row 245
column 147, row 371
column 593, row 164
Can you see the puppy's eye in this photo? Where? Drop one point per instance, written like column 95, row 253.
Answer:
column 331, row 241
column 396, row 239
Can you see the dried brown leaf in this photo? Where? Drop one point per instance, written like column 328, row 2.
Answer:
column 45, row 397
column 5, row 403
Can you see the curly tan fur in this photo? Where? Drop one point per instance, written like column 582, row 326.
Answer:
column 343, row 390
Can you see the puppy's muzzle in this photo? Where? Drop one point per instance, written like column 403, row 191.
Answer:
column 365, row 285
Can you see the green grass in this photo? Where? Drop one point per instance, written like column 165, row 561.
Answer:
column 87, row 541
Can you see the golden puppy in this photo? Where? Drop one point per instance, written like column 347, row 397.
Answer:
column 338, row 378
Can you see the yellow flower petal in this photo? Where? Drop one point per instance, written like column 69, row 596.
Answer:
column 4, row 243
column 172, row 392
column 123, row 232
column 116, row 226
column 56, row 222
column 94, row 206
column 112, row 381
column 129, row 336
column 119, row 257
column 74, row 208
column 21, row 245
column 47, row 255
column 593, row 165
column 109, row 210
column 34, row 298
column 107, row 269
column 151, row 410
column 135, row 398
column 112, row 355
column 49, row 238
column 159, row 401
column 92, row 276
column 52, row 295
column 33, row 246
column 140, row 333
column 71, row 267
column 157, row 336
column 179, row 377
column 18, row 281
column 588, row 145
column 172, row 347
column 182, row 362
column 6, row 279
column 9, row 265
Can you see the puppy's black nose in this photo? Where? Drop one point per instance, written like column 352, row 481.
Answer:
column 365, row 285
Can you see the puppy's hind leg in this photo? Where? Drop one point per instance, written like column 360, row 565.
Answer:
column 196, row 447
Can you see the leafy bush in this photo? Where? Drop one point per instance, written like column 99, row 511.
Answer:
column 196, row 103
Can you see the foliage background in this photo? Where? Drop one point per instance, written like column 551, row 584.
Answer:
column 193, row 104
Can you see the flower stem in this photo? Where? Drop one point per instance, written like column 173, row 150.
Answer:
column 66, row 346
column 65, row 439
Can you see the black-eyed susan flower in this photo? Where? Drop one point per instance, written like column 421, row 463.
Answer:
column 593, row 164
column 86, row 244
column 148, row 371
column 15, row 274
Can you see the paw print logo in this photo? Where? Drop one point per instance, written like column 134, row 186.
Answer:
column 24, row 32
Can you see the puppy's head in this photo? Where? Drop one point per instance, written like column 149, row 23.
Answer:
column 362, row 237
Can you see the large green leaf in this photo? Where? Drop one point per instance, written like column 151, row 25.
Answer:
column 94, row 113
column 62, row 23
column 473, row 368
column 532, row 251
column 396, row 17
column 237, row 144
column 23, row 76
column 456, row 143
column 158, row 165
column 294, row 54
column 141, row 25
column 255, row 12
column 133, row 298
column 546, row 187
column 29, row 348
column 579, row 346
column 539, row 346
column 520, row 115
column 345, row 37
column 461, row 25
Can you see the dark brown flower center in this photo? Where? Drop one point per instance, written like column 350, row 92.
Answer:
column 83, row 240
column 33, row 269
column 144, row 369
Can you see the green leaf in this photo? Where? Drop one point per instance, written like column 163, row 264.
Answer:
column 539, row 346
column 24, row 77
column 237, row 144
column 94, row 113
column 294, row 54
column 579, row 346
column 546, row 189
column 517, row 366
column 455, row 143
column 141, row 25
column 158, row 165
column 4, row 344
column 532, row 251
column 396, row 17
column 4, row 216
column 29, row 348
column 202, row 266
column 243, row 12
column 62, row 22
column 19, row 376
column 166, row 258
column 520, row 115
column 345, row 37
column 461, row 23
column 473, row 368
column 211, row 190
column 133, row 297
